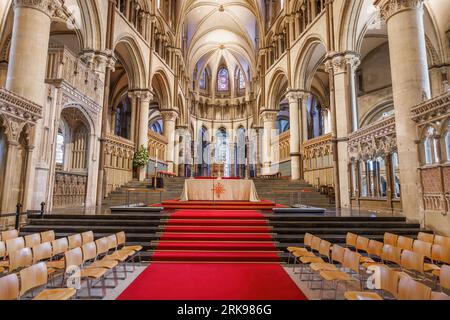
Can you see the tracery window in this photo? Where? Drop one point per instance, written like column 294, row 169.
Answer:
column 123, row 118
column 315, row 118
column 59, row 159
column 430, row 151
column 241, row 80
column 223, row 80
column 202, row 82
column 446, row 140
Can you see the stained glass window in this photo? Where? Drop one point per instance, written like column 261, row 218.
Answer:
column 241, row 80
column 202, row 82
column 60, row 148
column 223, row 80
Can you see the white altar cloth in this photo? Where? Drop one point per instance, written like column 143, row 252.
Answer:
column 219, row 190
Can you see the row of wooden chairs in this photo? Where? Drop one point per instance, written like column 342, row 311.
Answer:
column 94, row 260
column 316, row 250
column 9, row 234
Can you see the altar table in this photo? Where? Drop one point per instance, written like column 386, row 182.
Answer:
column 219, row 190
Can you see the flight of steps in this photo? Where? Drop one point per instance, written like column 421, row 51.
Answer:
column 288, row 229
column 280, row 191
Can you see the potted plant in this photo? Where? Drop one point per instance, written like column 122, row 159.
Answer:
column 141, row 157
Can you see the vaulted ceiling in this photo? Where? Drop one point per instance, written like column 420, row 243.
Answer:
column 221, row 32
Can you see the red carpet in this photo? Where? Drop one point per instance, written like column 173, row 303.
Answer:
column 213, row 282
column 220, row 205
column 215, row 255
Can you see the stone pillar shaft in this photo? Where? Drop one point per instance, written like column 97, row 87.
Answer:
column 294, row 142
column 169, row 117
column 269, row 123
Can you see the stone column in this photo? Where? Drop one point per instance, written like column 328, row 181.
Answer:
column 269, row 118
column 8, row 202
column 294, row 142
column 143, row 104
column 169, row 117
column 29, row 47
column 411, row 86
column 342, row 67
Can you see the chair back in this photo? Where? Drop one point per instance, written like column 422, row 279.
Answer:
column 351, row 260
column 89, row 251
column 389, row 280
column 121, row 238
column 375, row 248
column 9, row 287
column 426, row 237
column 87, row 237
column 9, row 234
column 73, row 258
column 324, row 250
column 308, row 240
column 390, row 239
column 2, row 250
column 442, row 241
column 350, row 239
column 362, row 244
column 20, row 259
column 440, row 254
column 33, row 277
column 412, row 261
column 14, row 245
column 32, row 240
column 337, row 254
column 423, row 248
column 409, row 289
column 439, row 296
column 48, row 236
column 102, row 246
column 391, row 254
column 59, row 246
column 75, row 241
column 444, row 277
column 405, row 243
column 112, row 242
column 42, row 252
column 315, row 245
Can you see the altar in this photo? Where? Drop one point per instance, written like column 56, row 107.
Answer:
column 219, row 190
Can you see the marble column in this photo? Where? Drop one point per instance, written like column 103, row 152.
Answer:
column 143, row 104
column 293, row 98
column 342, row 67
column 411, row 86
column 169, row 118
column 269, row 118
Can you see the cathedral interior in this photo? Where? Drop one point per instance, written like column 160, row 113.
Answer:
column 338, row 104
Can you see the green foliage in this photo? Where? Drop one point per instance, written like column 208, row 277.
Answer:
column 141, row 157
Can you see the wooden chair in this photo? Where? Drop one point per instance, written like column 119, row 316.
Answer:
column 48, row 236
column 9, row 287
column 413, row 262
column 350, row 240
column 391, row 255
column 121, row 243
column 375, row 249
column 117, row 255
column 390, row 239
column 439, row 296
column 42, row 252
column 442, row 241
column 14, row 245
column 59, row 247
column 87, row 237
column 20, row 259
column 91, row 254
column 32, row 240
column 3, row 262
column 35, row 277
column 8, row 235
column 405, row 243
column 423, row 248
column 323, row 252
column 388, row 283
column 426, row 237
column 351, row 262
column 306, row 246
column 444, row 278
column 75, row 241
column 439, row 255
column 409, row 289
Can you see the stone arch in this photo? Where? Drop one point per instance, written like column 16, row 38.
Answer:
column 308, row 61
column 278, row 86
column 161, row 88
column 129, row 54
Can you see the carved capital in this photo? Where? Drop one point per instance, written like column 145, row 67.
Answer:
column 388, row 8
column 294, row 96
column 49, row 7
column 339, row 62
column 269, row 115
column 169, row 115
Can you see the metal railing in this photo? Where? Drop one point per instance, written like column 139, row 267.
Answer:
column 18, row 214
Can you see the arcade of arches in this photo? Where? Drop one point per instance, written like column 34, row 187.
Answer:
column 351, row 96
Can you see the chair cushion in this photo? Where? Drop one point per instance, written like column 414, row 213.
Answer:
column 354, row 295
column 56, row 294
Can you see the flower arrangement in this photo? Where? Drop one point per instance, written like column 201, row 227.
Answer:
column 141, row 157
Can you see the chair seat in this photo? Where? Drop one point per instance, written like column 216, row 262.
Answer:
column 366, row 260
column 4, row 263
column 94, row 273
column 336, row 276
column 59, row 264
column 118, row 256
column 292, row 249
column 307, row 260
column 127, row 252
column 132, row 248
column 436, row 273
column 439, row 296
column 108, row 264
column 323, row 267
column 429, row 267
column 2, row 269
column 354, row 295
column 366, row 265
column 299, row 254
column 56, row 294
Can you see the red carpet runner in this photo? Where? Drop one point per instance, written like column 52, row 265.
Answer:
column 214, row 255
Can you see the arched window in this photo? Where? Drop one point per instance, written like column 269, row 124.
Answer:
column 202, row 83
column 446, row 141
column 59, row 159
column 241, row 80
column 157, row 126
column 223, row 80
column 314, row 118
column 430, row 155
column 123, row 118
